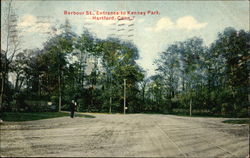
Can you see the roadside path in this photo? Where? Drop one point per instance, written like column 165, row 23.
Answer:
column 130, row 135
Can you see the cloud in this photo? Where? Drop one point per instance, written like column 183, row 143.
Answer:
column 141, row 20
column 186, row 22
column 27, row 21
column 31, row 23
column 164, row 23
column 189, row 23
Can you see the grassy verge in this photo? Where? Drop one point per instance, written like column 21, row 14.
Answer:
column 237, row 121
column 199, row 115
column 17, row 117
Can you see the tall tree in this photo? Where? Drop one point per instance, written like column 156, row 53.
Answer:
column 232, row 48
column 10, row 43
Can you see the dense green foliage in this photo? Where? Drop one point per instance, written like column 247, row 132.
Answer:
column 214, row 80
column 91, row 71
column 82, row 68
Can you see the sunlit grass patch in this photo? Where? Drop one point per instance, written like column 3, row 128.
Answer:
column 245, row 121
column 30, row 116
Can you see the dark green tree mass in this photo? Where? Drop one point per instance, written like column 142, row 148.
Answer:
column 191, row 78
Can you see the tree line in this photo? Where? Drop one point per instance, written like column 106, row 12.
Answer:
column 211, row 79
column 191, row 77
column 75, row 67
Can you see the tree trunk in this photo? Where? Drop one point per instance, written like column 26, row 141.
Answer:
column 2, row 89
column 143, row 98
column 183, row 84
column 190, row 107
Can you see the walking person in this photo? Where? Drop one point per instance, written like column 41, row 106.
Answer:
column 72, row 108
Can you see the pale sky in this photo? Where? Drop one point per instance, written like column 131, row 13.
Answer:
column 177, row 21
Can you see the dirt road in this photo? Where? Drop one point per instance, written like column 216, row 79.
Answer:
column 129, row 135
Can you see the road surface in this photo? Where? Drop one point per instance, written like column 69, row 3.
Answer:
column 149, row 135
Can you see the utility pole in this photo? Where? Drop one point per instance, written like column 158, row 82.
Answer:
column 60, row 93
column 110, row 91
column 110, row 102
column 124, row 103
column 190, row 102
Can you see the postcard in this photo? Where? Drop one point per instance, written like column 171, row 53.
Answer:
column 126, row 78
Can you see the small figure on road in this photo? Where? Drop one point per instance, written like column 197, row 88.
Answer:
column 72, row 108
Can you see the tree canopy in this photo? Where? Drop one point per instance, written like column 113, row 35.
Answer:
column 190, row 78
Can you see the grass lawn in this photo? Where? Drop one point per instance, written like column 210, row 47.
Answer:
column 30, row 116
column 237, row 121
